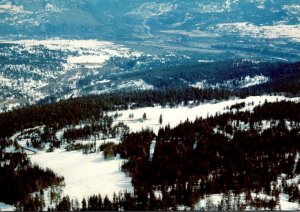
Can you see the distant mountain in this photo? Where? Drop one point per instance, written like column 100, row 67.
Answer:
column 138, row 18
column 234, row 26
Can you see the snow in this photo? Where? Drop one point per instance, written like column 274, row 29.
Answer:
column 80, row 52
column 214, row 198
column 224, row 6
column 285, row 204
column 174, row 116
column 201, row 85
column 152, row 149
column 90, row 174
column 138, row 84
column 256, row 80
column 205, row 61
column 89, row 60
column 3, row 80
column 86, row 175
column 52, row 8
column 151, row 9
column 228, row 4
column 211, row 8
column 5, row 207
column 73, row 60
column 270, row 32
column 292, row 9
column 104, row 81
column 8, row 7
column 12, row 106
column 242, row 82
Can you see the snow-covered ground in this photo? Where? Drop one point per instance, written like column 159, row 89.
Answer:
column 215, row 200
column 5, row 207
column 251, row 81
column 173, row 116
column 89, row 53
column 62, row 64
column 150, row 9
column 85, row 175
column 269, row 32
column 141, row 84
column 242, row 82
column 90, row 174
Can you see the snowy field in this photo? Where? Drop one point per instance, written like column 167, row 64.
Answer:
column 85, row 175
column 173, row 116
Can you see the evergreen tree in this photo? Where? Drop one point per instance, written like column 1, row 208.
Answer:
column 83, row 205
column 144, row 116
column 160, row 119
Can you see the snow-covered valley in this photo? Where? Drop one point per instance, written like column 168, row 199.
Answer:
column 53, row 66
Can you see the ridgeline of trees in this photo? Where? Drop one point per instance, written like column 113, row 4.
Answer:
column 284, row 77
column 102, row 125
column 72, row 111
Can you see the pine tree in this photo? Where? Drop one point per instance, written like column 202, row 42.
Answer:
column 160, row 119
column 83, row 205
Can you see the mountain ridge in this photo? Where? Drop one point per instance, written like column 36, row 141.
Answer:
column 114, row 16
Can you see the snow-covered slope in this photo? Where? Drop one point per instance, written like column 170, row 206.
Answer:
column 174, row 116
column 86, row 175
column 5, row 207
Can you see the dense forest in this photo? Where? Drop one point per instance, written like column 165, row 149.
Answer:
column 194, row 159
column 283, row 77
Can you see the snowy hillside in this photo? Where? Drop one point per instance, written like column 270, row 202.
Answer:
column 32, row 69
column 175, row 116
column 86, row 175
column 5, row 207
column 90, row 174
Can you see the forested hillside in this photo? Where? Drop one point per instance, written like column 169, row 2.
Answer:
column 248, row 157
column 251, row 158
